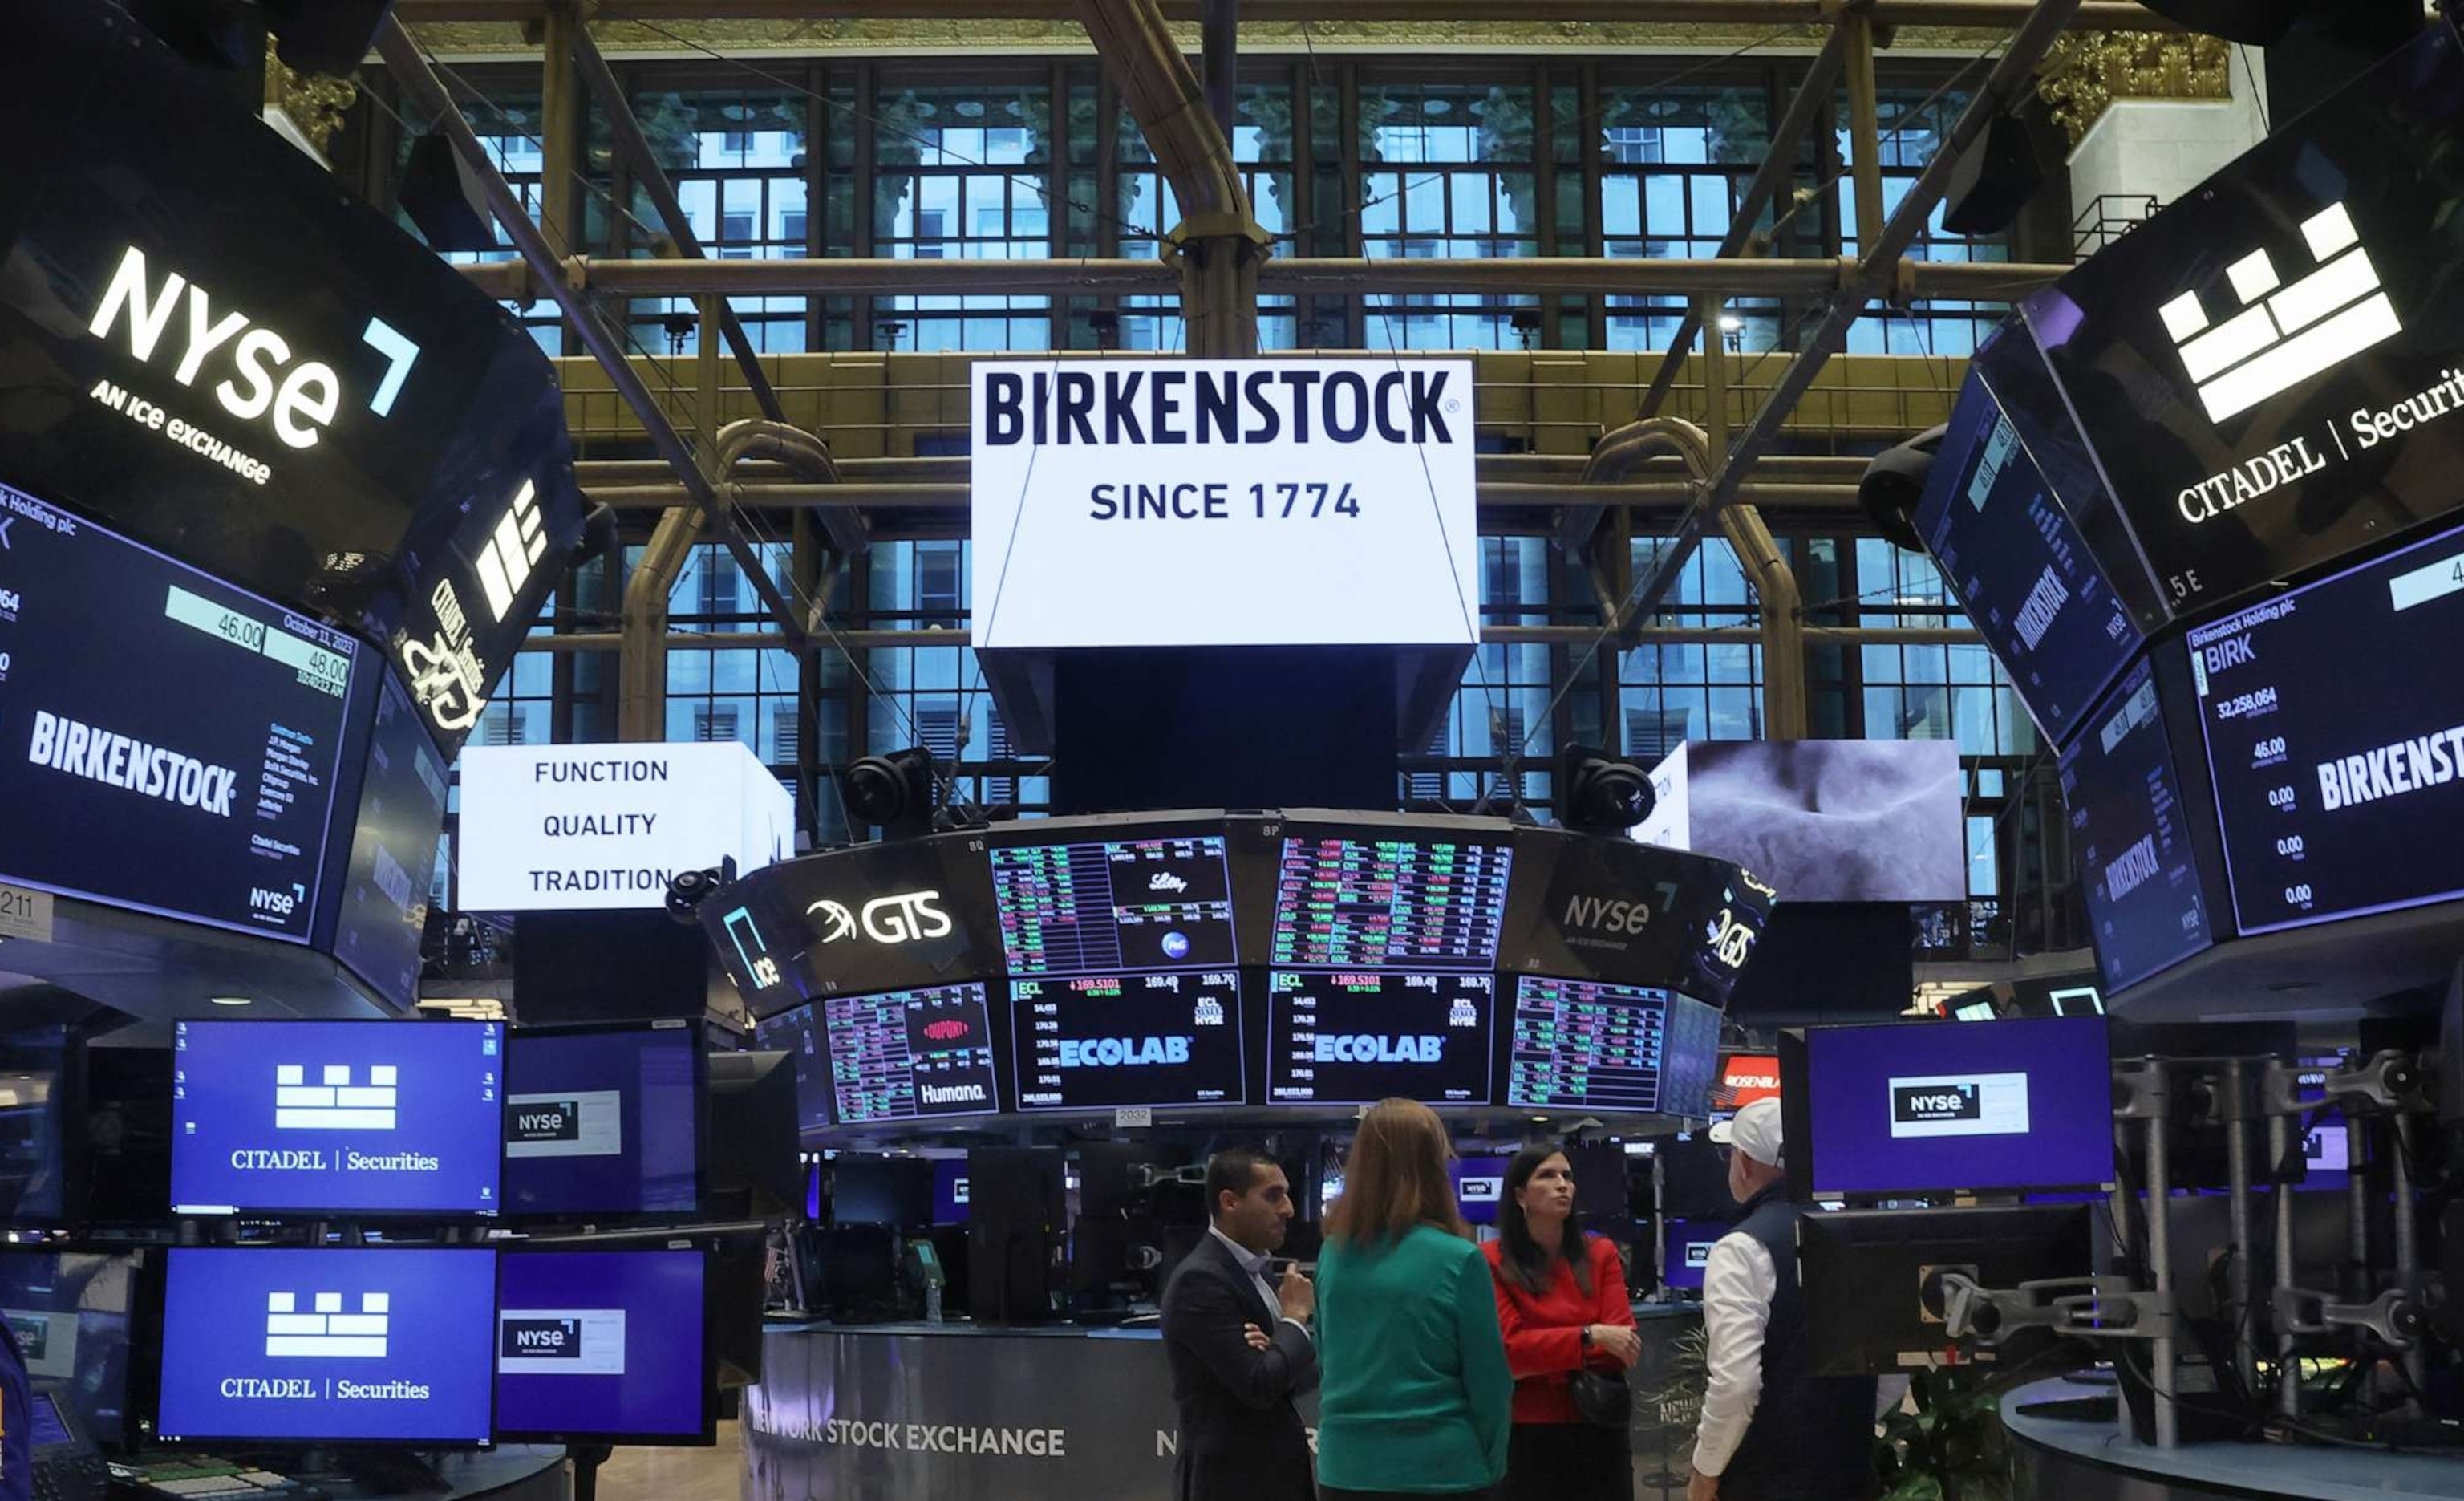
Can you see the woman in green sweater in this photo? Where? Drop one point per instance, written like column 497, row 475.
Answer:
column 1416, row 1397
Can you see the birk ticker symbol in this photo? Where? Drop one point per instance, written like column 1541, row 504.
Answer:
column 2285, row 333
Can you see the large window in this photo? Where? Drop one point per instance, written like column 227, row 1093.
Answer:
column 740, row 165
column 963, row 174
column 1675, row 161
column 1448, row 172
column 1147, row 209
column 1914, row 127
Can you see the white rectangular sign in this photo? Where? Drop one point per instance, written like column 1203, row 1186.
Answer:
column 585, row 826
column 25, row 914
column 1224, row 504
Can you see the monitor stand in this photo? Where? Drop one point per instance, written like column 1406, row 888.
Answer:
column 586, row 1459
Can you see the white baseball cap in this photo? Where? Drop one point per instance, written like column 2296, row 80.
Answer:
column 1753, row 1131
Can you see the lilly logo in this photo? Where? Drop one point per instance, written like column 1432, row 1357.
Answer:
column 2285, row 333
column 885, row 919
column 1166, row 881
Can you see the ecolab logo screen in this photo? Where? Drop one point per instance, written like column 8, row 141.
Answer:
column 1960, row 1105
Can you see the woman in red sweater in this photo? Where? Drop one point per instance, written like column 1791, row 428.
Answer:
column 1561, row 1301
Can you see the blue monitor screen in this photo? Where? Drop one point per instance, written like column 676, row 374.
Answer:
column 327, row 1346
column 1479, row 1183
column 1931, row 1107
column 337, row 1117
column 2133, row 834
column 795, row 1034
column 910, row 1054
column 950, row 1193
column 1352, row 1039
column 602, row 1122
column 1369, row 903
column 34, row 1123
column 602, row 1344
column 70, row 1314
column 1581, row 1044
column 1687, row 1247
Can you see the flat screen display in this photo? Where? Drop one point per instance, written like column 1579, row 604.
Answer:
column 1104, row 1041
column 1480, row 1186
column 35, row 1065
column 320, row 1346
column 1369, row 902
column 603, row 1345
column 1108, row 906
column 1580, row 1045
column 1744, row 1078
column 885, row 915
column 1355, row 1039
column 793, row 1033
column 910, row 1054
column 337, row 1117
column 604, row 1121
column 196, row 775
column 1933, row 1107
column 382, row 906
column 70, row 1314
column 2131, row 832
column 2333, row 724
column 950, row 1196
column 1686, row 1249
column 2019, row 566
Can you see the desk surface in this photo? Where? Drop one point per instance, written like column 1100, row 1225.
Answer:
column 2257, row 1469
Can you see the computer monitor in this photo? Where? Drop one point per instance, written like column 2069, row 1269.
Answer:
column 41, row 1122
column 891, row 1191
column 1931, row 1107
column 1693, row 1178
column 328, row 1346
column 754, row 1171
column 347, row 1118
column 950, row 1192
column 605, row 1347
column 604, row 1122
column 1686, row 1250
column 1870, row 1277
column 72, row 1314
column 128, row 1119
column 1480, row 1186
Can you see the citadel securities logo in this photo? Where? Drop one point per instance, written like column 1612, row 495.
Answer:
column 884, row 919
column 334, row 1103
column 512, row 551
column 326, row 1332
column 2285, row 333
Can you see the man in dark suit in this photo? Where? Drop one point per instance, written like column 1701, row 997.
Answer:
column 1240, row 1345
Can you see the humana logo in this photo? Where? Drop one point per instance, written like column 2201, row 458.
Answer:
column 334, row 1103
column 954, row 1094
column 327, row 1332
column 2285, row 334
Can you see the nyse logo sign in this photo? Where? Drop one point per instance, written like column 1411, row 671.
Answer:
column 1698, row 1254
column 1936, row 1102
column 884, row 919
column 1960, row 1105
column 540, row 1338
column 560, row 1341
column 325, row 1332
column 1482, row 1189
column 1607, row 914
column 2285, row 333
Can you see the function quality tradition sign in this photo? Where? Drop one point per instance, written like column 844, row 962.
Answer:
column 568, row 827
column 1224, row 503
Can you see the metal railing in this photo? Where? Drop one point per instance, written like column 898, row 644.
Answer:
column 2108, row 218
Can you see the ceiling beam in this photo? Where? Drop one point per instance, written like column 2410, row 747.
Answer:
column 2098, row 15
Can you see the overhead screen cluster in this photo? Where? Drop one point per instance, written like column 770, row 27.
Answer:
column 1200, row 960
column 2250, row 388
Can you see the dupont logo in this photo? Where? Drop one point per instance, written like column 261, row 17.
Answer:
column 949, row 1030
column 539, row 1339
column 1933, row 1102
column 512, row 551
column 326, row 1332
column 2285, row 333
column 334, row 1103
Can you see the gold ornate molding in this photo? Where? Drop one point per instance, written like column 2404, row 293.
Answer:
column 316, row 105
column 2086, row 72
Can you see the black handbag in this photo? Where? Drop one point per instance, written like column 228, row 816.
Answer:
column 1604, row 1400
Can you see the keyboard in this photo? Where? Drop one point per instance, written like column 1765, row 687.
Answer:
column 210, row 1482
column 71, row 1477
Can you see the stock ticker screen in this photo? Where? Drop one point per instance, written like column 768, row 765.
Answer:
column 2333, row 717
column 910, row 1054
column 1339, row 1038
column 1392, row 903
column 2144, row 899
column 1123, row 987
column 1580, row 1045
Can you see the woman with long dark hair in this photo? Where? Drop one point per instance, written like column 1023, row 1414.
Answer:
column 1561, row 1302
column 1414, row 1398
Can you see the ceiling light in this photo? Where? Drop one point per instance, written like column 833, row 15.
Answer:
column 231, row 1000
column 1731, row 322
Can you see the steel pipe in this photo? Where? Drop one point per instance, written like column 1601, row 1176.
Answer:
column 2098, row 15
column 581, row 641
column 1695, row 277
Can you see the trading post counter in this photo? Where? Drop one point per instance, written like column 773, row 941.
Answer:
column 959, row 1412
column 2059, row 1459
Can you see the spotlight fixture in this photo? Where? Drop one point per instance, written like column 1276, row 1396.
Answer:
column 894, row 793
column 688, row 890
column 1597, row 794
column 1992, row 180
column 1894, row 483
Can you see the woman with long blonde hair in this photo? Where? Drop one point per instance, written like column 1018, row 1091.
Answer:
column 1416, row 1399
